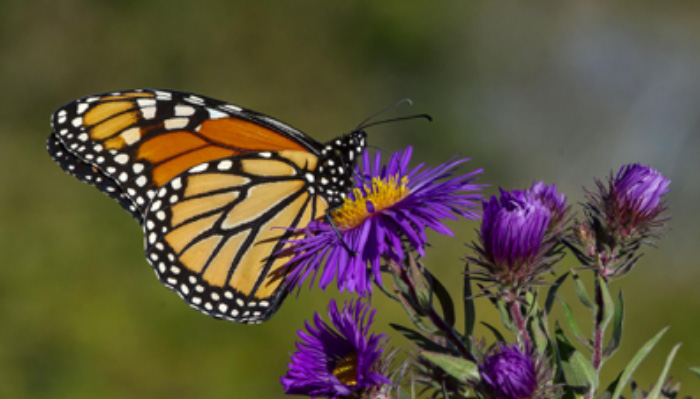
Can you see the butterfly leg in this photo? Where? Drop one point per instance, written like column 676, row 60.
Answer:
column 337, row 232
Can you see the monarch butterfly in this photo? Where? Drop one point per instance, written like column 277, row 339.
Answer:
column 216, row 187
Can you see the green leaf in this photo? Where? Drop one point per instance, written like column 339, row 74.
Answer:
column 494, row 330
column 469, row 309
column 416, row 318
column 448, row 307
column 636, row 360
column 573, row 326
column 421, row 288
column 505, row 316
column 417, row 338
column 539, row 334
column 578, row 371
column 459, row 368
column 608, row 303
column 406, row 299
column 616, row 337
column 695, row 370
column 581, row 292
column 552, row 293
column 396, row 272
column 654, row 394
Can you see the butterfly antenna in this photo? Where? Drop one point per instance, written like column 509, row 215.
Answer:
column 389, row 108
column 400, row 118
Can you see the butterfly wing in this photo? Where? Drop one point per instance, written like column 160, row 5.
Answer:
column 88, row 173
column 212, row 233
column 217, row 187
column 141, row 139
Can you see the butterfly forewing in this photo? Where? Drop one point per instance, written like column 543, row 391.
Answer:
column 142, row 139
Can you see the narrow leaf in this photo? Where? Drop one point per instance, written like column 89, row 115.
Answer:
column 417, row 338
column 608, row 303
column 578, row 371
column 573, row 326
column 396, row 272
column 505, row 316
column 469, row 309
column 461, row 369
column 636, row 360
column 448, row 307
column 695, row 370
column 421, row 288
column 539, row 334
column 552, row 293
column 654, row 394
column 405, row 298
column 616, row 337
column 581, row 292
column 494, row 330
column 416, row 318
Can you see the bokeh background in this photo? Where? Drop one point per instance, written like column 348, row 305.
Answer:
column 560, row 92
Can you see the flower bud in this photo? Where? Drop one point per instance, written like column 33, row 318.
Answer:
column 519, row 235
column 620, row 216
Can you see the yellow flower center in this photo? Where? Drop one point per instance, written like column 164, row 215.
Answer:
column 380, row 195
column 346, row 369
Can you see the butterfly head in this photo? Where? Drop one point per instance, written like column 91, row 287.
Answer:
column 337, row 165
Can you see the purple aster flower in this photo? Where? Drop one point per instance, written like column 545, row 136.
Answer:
column 390, row 205
column 338, row 360
column 508, row 374
column 518, row 235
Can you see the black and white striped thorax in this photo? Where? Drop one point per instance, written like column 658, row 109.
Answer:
column 333, row 177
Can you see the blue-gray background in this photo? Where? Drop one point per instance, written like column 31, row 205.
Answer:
column 558, row 92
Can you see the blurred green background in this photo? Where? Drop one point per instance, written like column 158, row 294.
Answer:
column 560, row 92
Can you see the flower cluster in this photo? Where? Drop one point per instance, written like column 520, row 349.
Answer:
column 522, row 237
column 391, row 207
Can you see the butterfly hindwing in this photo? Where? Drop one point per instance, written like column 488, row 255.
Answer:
column 212, row 233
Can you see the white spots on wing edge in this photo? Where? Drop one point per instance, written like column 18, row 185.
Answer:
column 175, row 123
column 216, row 114
column 184, row 110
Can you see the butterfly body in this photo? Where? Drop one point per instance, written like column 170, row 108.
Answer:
column 216, row 187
